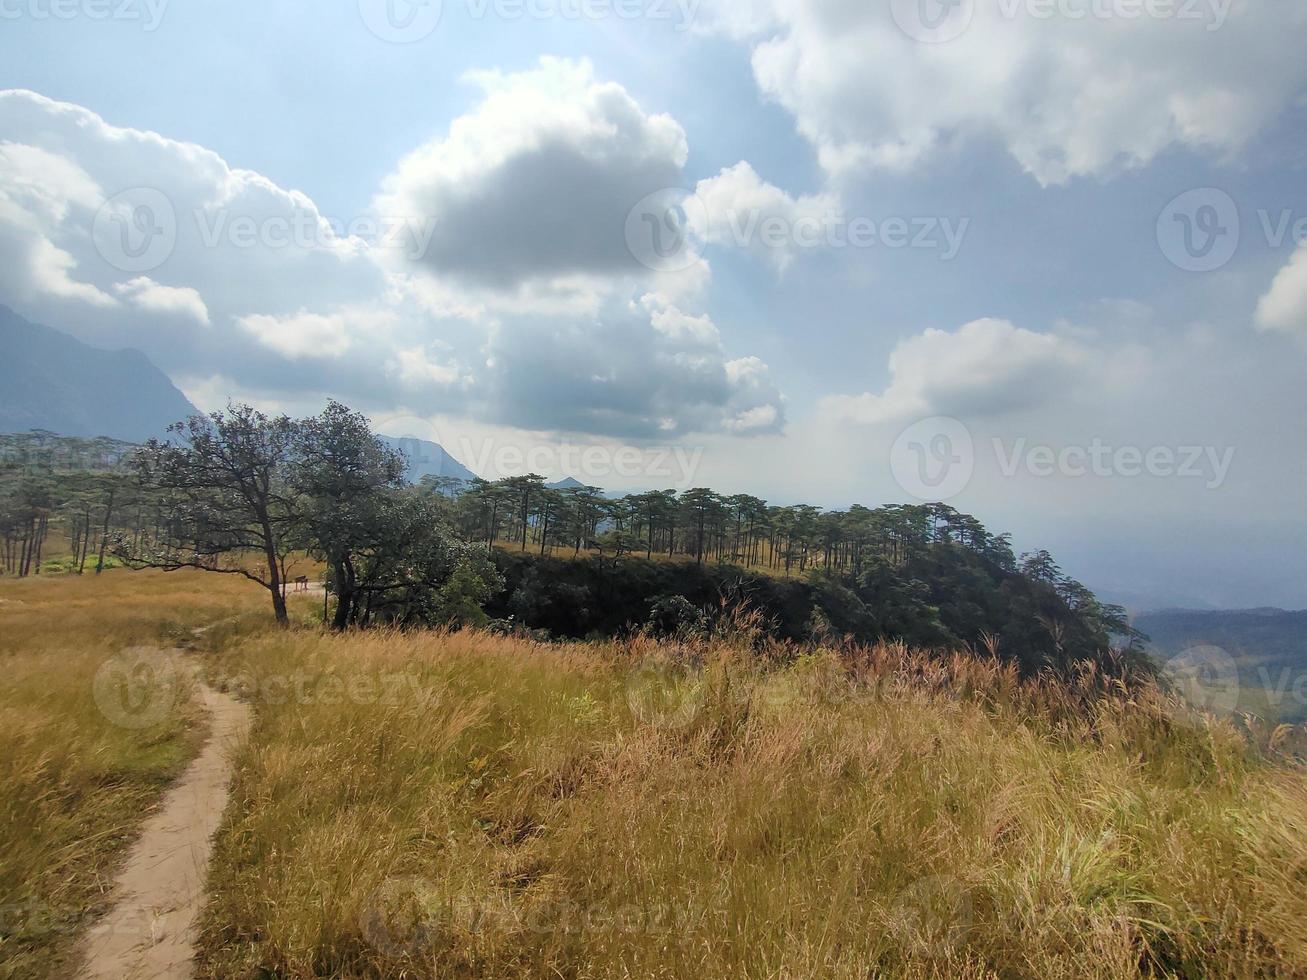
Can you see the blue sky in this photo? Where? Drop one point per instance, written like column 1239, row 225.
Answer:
column 1049, row 139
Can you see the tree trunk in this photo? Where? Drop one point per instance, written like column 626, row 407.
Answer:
column 104, row 535
column 274, row 579
column 343, row 573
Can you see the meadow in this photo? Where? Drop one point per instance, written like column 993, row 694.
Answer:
column 432, row 804
column 76, row 781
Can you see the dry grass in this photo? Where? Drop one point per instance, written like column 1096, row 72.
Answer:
column 76, row 781
column 471, row 806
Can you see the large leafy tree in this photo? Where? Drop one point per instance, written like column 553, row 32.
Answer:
column 415, row 571
column 227, row 505
column 340, row 471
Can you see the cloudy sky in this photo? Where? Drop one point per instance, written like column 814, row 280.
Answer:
column 1046, row 259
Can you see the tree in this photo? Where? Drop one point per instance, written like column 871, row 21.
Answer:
column 616, row 543
column 582, row 509
column 223, row 485
column 525, row 489
column 416, row 571
column 699, row 505
column 340, row 471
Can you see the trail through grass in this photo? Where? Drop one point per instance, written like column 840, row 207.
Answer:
column 91, row 740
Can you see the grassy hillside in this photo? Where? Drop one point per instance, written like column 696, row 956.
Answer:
column 432, row 805
column 442, row 806
column 78, row 771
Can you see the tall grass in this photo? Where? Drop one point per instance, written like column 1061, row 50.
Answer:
column 76, row 781
column 473, row 806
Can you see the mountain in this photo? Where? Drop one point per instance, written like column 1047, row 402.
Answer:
column 1264, row 633
column 1267, row 646
column 49, row 380
column 428, row 459
column 570, row 483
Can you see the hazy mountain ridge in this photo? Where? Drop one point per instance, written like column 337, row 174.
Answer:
column 427, row 458
column 1268, row 645
column 50, row 380
column 1260, row 632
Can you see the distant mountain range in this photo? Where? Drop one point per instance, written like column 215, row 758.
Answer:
column 49, row 380
column 1268, row 632
column 1269, row 647
column 428, row 459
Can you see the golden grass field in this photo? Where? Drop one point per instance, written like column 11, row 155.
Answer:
column 432, row 805
column 75, row 783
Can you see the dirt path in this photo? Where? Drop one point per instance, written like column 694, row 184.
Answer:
column 149, row 934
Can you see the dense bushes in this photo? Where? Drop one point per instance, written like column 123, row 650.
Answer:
column 945, row 596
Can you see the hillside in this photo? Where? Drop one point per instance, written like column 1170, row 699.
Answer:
column 431, row 805
column 49, row 380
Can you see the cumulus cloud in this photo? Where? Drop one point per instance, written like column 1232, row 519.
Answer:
column 312, row 335
column 1061, row 93
column 147, row 294
column 518, row 312
column 419, row 366
column 743, row 210
column 643, row 371
column 232, row 236
column 535, row 183
column 987, row 367
column 1284, row 307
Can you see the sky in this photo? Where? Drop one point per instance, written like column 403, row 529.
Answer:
column 1043, row 259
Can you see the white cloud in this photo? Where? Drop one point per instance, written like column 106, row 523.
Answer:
column 678, row 326
column 150, row 295
column 49, row 268
column 1062, row 94
column 44, row 182
column 1284, row 307
column 986, row 367
column 522, row 313
column 760, row 418
column 531, row 188
column 417, row 366
column 743, row 210
column 241, row 242
column 308, row 335
column 639, row 371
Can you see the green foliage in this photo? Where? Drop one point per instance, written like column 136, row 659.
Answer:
column 942, row 596
column 70, row 564
column 469, row 587
column 675, row 615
